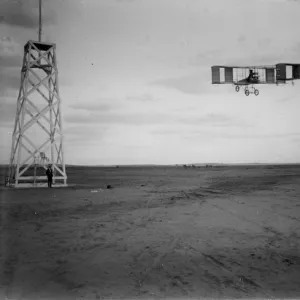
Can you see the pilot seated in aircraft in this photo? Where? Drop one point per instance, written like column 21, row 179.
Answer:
column 250, row 77
column 253, row 76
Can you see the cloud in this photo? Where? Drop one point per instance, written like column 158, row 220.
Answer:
column 8, row 46
column 10, row 64
column 246, row 136
column 153, row 118
column 99, row 105
column 213, row 134
column 241, row 39
column 216, row 120
column 10, row 67
column 7, row 112
column 288, row 98
column 9, row 79
column 295, row 49
column 211, row 123
column 206, row 58
column 11, row 61
column 296, row 140
column 118, row 118
column 143, row 98
column 10, row 52
column 190, row 84
column 103, row 107
column 265, row 42
column 244, row 51
column 125, row 1
column 280, row 1
column 84, row 133
column 212, row 119
column 24, row 13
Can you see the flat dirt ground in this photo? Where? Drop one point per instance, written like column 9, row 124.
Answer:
column 170, row 233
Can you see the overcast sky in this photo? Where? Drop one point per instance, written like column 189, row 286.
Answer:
column 135, row 78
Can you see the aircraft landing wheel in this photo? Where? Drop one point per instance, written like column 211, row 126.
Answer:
column 247, row 92
column 237, row 88
column 256, row 92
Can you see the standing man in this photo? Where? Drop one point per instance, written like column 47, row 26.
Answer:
column 49, row 174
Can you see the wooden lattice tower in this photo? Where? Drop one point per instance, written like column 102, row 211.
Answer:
column 38, row 123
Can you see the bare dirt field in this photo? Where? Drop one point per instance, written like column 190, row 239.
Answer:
column 227, row 232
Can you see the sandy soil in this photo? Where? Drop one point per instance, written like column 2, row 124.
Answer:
column 159, row 233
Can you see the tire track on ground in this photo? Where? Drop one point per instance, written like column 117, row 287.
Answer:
column 239, row 280
column 222, row 266
column 143, row 223
column 266, row 228
column 268, row 210
column 171, row 245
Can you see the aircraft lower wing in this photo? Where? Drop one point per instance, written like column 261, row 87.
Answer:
column 247, row 81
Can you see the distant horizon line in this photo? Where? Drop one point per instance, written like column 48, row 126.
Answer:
column 178, row 164
column 187, row 164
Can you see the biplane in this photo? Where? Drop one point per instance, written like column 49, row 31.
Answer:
column 250, row 76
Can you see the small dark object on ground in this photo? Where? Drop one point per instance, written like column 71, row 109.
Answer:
column 288, row 261
column 109, row 186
